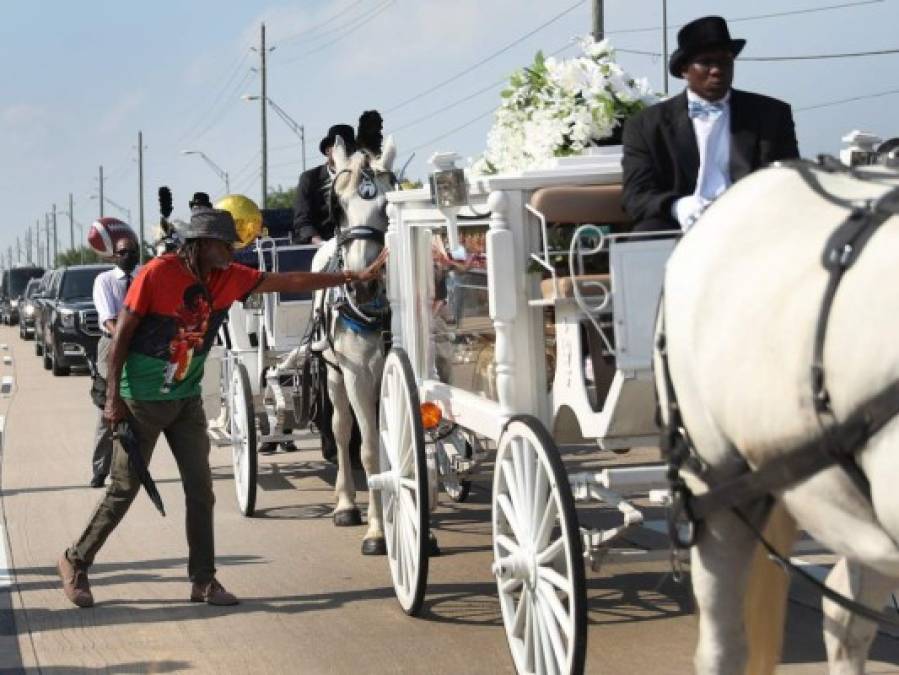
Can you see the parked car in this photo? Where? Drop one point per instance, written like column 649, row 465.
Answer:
column 26, row 309
column 12, row 287
column 69, row 319
column 40, row 301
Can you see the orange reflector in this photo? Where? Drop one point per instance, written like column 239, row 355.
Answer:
column 430, row 415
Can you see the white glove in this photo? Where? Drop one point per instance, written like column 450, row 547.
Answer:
column 687, row 210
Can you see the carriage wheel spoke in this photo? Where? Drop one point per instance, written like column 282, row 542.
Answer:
column 505, row 506
column 551, row 628
column 509, row 586
column 519, row 620
column 548, row 653
column 546, row 592
column 553, row 578
column 507, row 543
column 551, row 552
column 408, row 510
column 547, row 522
column 537, row 653
column 528, row 634
column 540, row 494
column 514, row 494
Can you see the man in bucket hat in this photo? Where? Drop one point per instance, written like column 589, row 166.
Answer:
column 682, row 153
column 180, row 299
column 311, row 208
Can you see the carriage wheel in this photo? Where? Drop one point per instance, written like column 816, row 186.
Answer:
column 538, row 556
column 243, row 439
column 403, row 481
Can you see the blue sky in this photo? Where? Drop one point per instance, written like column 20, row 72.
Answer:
column 83, row 77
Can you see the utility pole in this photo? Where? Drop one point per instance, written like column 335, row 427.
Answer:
column 55, row 238
column 598, row 21
column 665, row 47
column 28, row 244
column 71, row 223
column 37, row 241
column 18, row 249
column 50, row 263
column 263, row 106
column 140, row 190
column 101, row 190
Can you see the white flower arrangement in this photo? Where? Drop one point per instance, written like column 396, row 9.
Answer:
column 560, row 107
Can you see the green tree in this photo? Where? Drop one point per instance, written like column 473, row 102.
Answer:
column 279, row 198
column 82, row 255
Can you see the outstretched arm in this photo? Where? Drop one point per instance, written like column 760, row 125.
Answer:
column 304, row 282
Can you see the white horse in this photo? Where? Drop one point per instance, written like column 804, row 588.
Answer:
column 741, row 301
column 354, row 347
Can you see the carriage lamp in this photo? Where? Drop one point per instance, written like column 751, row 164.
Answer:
column 862, row 148
column 430, row 415
column 449, row 192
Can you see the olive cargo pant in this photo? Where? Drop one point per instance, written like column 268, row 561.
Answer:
column 183, row 423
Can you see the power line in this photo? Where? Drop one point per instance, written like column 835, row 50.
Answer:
column 851, row 99
column 351, row 27
column 245, row 81
column 465, row 99
column 312, row 29
column 217, row 99
column 452, row 131
column 754, row 17
column 802, row 57
column 487, row 58
column 815, row 57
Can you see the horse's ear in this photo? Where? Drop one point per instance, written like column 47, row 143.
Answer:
column 389, row 154
column 338, row 154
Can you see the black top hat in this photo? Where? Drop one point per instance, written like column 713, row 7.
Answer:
column 345, row 131
column 704, row 34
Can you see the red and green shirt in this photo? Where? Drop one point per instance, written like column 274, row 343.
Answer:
column 179, row 319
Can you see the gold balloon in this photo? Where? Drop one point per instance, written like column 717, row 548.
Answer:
column 247, row 217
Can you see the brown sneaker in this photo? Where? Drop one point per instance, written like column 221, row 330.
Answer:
column 74, row 582
column 212, row 593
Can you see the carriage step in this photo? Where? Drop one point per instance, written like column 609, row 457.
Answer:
column 218, row 437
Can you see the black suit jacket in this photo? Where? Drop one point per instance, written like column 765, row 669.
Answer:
column 311, row 209
column 661, row 156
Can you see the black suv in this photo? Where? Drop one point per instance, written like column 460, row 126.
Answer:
column 69, row 325
column 27, row 307
column 12, row 287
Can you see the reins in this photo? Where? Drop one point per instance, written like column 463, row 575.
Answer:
column 838, row 441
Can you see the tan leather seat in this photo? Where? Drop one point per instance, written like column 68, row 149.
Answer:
column 579, row 204
column 566, row 283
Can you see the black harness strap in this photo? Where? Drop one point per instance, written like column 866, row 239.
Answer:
column 838, row 442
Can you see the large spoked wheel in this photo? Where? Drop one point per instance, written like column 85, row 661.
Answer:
column 403, row 482
column 243, row 438
column 537, row 551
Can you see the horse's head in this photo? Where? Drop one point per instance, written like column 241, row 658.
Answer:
column 360, row 196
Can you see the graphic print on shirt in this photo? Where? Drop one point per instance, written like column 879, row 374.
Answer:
column 191, row 324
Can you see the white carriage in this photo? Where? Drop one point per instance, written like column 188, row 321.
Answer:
column 249, row 399
column 479, row 381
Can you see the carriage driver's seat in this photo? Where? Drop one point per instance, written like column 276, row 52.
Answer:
column 577, row 205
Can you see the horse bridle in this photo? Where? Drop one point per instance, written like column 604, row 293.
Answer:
column 372, row 316
column 838, row 442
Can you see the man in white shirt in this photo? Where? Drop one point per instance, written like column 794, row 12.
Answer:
column 683, row 153
column 110, row 288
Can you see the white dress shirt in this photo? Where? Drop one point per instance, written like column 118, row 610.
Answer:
column 713, row 142
column 109, row 293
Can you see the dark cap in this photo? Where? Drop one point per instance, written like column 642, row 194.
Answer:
column 701, row 35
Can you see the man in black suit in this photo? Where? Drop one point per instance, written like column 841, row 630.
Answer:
column 682, row 153
column 312, row 222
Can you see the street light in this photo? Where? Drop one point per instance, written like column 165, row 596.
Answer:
column 215, row 167
column 295, row 126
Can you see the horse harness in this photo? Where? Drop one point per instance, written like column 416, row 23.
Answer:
column 838, row 442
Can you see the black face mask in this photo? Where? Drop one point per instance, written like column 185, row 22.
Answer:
column 127, row 260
